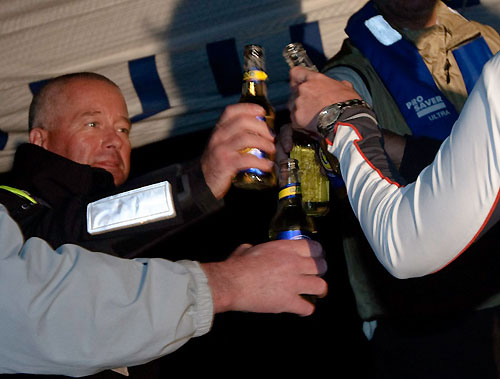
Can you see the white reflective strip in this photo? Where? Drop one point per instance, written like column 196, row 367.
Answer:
column 132, row 208
column 382, row 31
column 431, row 109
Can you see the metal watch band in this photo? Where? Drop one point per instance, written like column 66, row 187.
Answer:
column 329, row 115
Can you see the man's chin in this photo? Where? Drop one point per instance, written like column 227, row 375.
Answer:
column 119, row 177
column 119, row 181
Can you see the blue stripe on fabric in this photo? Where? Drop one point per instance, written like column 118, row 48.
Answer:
column 148, row 86
column 309, row 35
column 225, row 66
column 35, row 87
column 3, row 139
column 470, row 59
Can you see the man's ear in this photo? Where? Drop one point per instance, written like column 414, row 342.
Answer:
column 38, row 136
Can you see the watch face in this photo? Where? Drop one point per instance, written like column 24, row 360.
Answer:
column 329, row 116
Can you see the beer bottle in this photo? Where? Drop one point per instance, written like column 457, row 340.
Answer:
column 254, row 90
column 295, row 55
column 315, row 185
column 290, row 221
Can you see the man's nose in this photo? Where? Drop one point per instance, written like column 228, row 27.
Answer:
column 112, row 139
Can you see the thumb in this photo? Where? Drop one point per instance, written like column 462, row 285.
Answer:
column 299, row 75
column 240, row 250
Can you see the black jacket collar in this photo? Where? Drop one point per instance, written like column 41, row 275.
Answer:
column 54, row 178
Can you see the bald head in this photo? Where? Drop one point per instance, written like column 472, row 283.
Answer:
column 43, row 101
column 83, row 117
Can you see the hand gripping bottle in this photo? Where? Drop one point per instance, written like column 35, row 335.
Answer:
column 315, row 184
column 254, row 90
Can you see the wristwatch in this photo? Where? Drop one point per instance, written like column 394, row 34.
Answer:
column 330, row 114
column 327, row 119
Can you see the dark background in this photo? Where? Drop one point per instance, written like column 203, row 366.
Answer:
column 331, row 339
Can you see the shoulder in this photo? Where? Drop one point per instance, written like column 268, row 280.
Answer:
column 20, row 208
column 348, row 55
column 462, row 26
column 490, row 35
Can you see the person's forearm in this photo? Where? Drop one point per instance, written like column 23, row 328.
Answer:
column 420, row 228
column 75, row 312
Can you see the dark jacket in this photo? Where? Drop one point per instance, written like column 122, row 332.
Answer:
column 62, row 189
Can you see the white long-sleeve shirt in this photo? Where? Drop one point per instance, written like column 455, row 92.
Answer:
column 74, row 312
column 419, row 228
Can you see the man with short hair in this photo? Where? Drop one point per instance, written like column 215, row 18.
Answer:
column 81, row 128
column 62, row 188
column 79, row 134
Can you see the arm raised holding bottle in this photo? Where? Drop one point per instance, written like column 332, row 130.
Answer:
column 311, row 91
column 239, row 127
column 408, row 226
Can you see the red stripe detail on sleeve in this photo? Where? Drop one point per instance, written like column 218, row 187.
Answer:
column 390, row 181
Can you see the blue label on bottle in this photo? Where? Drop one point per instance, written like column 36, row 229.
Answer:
column 292, row 235
column 255, row 171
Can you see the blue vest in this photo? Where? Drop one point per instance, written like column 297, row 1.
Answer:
column 404, row 73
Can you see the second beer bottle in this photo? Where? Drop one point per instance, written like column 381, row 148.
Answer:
column 254, row 90
column 290, row 221
column 315, row 185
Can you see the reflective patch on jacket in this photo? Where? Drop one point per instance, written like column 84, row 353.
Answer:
column 132, row 208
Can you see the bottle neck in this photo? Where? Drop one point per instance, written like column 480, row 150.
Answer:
column 254, row 83
column 297, row 56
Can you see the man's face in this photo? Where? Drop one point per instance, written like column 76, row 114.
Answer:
column 89, row 124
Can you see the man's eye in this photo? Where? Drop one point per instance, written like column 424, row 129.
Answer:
column 92, row 124
column 125, row 131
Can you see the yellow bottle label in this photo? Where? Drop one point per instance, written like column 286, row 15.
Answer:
column 291, row 190
column 254, row 75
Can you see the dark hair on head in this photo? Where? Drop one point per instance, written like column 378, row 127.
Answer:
column 41, row 96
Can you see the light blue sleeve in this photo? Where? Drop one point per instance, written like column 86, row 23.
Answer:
column 74, row 312
column 345, row 73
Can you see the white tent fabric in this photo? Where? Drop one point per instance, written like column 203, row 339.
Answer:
column 178, row 62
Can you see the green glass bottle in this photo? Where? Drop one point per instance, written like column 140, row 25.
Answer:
column 315, row 184
column 254, row 90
